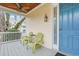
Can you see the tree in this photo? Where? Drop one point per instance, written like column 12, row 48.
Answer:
column 2, row 22
column 19, row 23
column 7, row 21
column 16, row 27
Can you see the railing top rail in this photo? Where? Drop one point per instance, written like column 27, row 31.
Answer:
column 10, row 32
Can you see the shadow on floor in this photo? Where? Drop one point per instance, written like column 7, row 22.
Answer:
column 59, row 54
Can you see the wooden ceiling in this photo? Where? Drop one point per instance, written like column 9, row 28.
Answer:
column 22, row 7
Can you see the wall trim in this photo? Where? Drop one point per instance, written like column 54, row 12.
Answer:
column 58, row 27
column 57, row 45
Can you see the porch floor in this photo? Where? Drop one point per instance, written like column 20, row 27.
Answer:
column 15, row 48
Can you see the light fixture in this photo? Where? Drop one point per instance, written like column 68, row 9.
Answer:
column 45, row 18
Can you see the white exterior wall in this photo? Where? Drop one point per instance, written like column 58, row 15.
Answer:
column 35, row 23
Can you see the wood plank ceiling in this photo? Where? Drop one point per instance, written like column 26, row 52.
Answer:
column 21, row 7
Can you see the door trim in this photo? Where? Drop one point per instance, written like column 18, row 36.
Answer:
column 56, row 46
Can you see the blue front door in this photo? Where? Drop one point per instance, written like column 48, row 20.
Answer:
column 69, row 28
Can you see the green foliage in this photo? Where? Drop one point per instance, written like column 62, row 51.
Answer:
column 19, row 23
column 15, row 28
column 12, row 30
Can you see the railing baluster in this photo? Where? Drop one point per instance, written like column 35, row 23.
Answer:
column 7, row 36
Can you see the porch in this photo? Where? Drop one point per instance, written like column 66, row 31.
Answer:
column 15, row 48
column 39, row 19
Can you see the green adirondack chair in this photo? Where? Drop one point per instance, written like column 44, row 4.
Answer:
column 38, row 42
column 27, row 39
column 34, row 43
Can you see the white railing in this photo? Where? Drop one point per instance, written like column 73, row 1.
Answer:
column 7, row 36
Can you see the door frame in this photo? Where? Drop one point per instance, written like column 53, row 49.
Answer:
column 58, row 27
column 56, row 46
